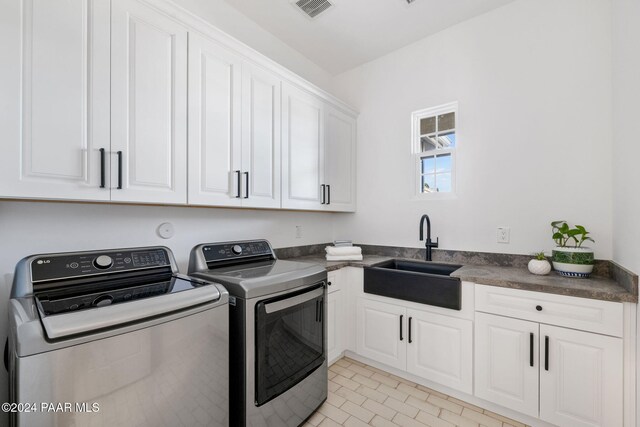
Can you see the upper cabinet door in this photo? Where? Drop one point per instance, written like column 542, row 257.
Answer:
column 302, row 150
column 340, row 160
column 54, row 81
column 581, row 378
column 214, row 124
column 260, row 137
column 148, row 105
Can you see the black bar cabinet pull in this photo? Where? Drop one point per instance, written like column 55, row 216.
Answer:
column 410, row 329
column 119, row 170
column 328, row 194
column 546, row 353
column 401, row 337
column 246, row 185
column 238, row 179
column 322, row 187
column 531, row 349
column 102, row 161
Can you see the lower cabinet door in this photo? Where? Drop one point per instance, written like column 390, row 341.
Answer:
column 506, row 362
column 382, row 333
column 335, row 325
column 580, row 378
column 440, row 349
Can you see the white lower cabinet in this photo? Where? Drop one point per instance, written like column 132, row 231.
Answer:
column 581, row 384
column 335, row 316
column 440, row 348
column 381, row 332
column 563, row 376
column 506, row 365
column 432, row 346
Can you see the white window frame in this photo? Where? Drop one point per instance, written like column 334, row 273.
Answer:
column 417, row 154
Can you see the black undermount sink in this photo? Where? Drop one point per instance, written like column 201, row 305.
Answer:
column 417, row 281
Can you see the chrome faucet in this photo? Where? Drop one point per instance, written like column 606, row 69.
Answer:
column 428, row 243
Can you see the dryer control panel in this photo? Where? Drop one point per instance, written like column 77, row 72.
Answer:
column 228, row 251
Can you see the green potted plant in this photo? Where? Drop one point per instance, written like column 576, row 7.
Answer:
column 539, row 264
column 569, row 257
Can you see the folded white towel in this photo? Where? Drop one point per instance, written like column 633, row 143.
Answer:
column 344, row 257
column 346, row 250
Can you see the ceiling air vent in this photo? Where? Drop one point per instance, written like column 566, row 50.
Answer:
column 313, row 8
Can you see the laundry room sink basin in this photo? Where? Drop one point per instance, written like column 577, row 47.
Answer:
column 417, row 281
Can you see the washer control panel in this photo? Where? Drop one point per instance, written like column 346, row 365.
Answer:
column 62, row 266
column 228, row 251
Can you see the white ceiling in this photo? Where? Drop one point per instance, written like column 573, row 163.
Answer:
column 353, row 32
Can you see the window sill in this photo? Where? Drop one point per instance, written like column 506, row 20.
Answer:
column 423, row 197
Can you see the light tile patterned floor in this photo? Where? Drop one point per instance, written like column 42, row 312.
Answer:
column 361, row 395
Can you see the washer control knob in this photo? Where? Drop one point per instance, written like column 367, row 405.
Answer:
column 236, row 249
column 102, row 300
column 103, row 262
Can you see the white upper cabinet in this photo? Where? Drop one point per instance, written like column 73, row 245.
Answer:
column 260, row 137
column 214, row 124
column 234, row 129
column 148, row 105
column 340, row 160
column 136, row 101
column 54, row 80
column 302, row 150
column 318, row 154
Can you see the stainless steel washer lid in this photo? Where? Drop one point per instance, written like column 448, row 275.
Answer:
column 262, row 278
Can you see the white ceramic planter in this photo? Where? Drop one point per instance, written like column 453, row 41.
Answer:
column 573, row 262
column 540, row 267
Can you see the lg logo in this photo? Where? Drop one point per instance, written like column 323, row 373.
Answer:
column 44, row 261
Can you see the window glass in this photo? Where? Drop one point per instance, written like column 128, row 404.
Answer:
column 428, row 143
column 428, row 183
column 443, row 163
column 446, row 122
column 447, row 140
column 427, row 125
column 434, row 144
column 428, row 164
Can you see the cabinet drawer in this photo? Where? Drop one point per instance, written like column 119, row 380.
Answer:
column 335, row 280
column 603, row 317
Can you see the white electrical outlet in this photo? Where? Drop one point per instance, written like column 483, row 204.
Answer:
column 298, row 231
column 504, row 233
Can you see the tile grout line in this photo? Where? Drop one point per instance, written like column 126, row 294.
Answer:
column 355, row 382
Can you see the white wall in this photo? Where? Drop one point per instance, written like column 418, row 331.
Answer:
column 230, row 20
column 626, row 133
column 533, row 82
column 626, row 149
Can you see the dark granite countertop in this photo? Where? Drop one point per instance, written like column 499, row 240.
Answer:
column 520, row 278
column 367, row 261
column 596, row 287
